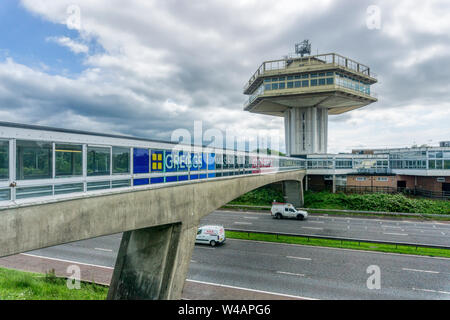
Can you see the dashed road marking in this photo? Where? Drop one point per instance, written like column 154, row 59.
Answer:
column 424, row 271
column 291, row 274
column 429, row 290
column 298, row 258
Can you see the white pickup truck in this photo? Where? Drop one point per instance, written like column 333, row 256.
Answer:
column 286, row 210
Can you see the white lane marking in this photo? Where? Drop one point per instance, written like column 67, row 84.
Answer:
column 291, row 274
column 247, row 289
column 316, row 221
column 101, row 249
column 429, row 290
column 69, row 261
column 417, row 270
column 298, row 258
column 391, row 227
column 253, row 218
column 193, row 261
column 396, row 234
column 312, row 228
column 240, row 222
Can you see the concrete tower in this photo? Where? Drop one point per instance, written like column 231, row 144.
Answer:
column 305, row 90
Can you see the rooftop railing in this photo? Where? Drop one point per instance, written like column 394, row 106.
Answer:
column 333, row 59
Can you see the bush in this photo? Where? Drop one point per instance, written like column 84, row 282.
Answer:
column 375, row 202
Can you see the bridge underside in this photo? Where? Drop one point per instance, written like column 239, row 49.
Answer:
column 159, row 227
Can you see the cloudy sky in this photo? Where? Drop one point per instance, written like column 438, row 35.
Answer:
column 146, row 68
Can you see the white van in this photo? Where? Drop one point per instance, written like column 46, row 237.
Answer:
column 286, row 210
column 212, row 235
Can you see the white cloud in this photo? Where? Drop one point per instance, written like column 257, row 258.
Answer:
column 74, row 46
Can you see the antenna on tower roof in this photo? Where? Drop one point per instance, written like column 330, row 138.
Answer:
column 303, row 48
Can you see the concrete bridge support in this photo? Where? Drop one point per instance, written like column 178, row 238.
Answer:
column 293, row 192
column 152, row 263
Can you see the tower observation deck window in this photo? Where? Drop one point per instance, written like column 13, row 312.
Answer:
column 98, row 161
column 4, row 160
column 33, row 160
column 68, row 160
column 121, row 160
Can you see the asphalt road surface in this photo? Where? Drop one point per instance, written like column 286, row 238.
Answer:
column 411, row 231
column 309, row 272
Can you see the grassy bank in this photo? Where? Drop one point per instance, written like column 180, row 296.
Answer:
column 367, row 246
column 362, row 202
column 20, row 285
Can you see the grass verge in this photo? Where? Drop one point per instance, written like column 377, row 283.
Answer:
column 367, row 246
column 20, row 285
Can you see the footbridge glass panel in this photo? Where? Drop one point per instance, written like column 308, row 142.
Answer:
column 64, row 164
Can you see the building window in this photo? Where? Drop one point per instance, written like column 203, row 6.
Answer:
column 313, row 75
column 290, row 78
column 446, row 164
column 305, row 83
column 360, row 179
column 297, row 84
column 68, row 160
column 121, row 160
column 322, row 74
column 321, row 82
column 330, row 80
column 329, row 74
column 282, row 85
column 98, row 161
column 290, row 85
column 274, row 86
column 267, row 87
column 4, row 160
column 382, row 179
column 314, row 83
column 33, row 160
column 305, row 75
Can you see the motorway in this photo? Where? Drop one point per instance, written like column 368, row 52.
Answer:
column 309, row 272
column 412, row 231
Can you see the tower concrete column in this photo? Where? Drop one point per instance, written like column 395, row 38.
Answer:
column 152, row 263
column 306, row 130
